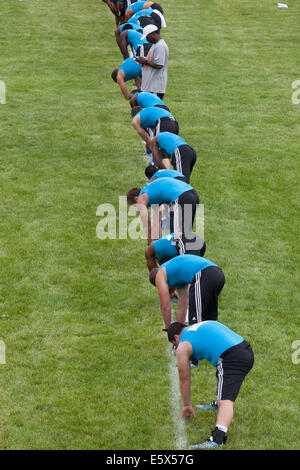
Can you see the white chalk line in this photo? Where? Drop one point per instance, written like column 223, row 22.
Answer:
column 179, row 425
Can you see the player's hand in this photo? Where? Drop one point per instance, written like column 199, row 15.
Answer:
column 188, row 411
column 141, row 60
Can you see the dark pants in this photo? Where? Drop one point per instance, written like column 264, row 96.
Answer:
column 163, row 106
column 183, row 160
column 183, row 211
column 190, row 244
column 167, row 124
column 204, row 291
column 232, row 367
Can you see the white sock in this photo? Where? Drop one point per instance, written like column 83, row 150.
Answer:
column 221, row 427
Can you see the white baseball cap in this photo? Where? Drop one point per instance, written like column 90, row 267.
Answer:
column 150, row 28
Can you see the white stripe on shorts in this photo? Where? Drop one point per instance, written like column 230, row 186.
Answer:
column 178, row 160
column 180, row 246
column 198, row 302
column 220, row 378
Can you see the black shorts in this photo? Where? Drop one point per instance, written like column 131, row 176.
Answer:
column 167, row 124
column 232, row 367
column 154, row 18
column 203, row 297
column 183, row 160
column 190, row 244
column 143, row 50
column 163, row 106
column 183, row 211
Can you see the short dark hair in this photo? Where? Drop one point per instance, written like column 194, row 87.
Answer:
column 135, row 110
column 150, row 170
column 114, row 75
column 131, row 195
column 174, row 329
column 126, row 27
column 152, row 275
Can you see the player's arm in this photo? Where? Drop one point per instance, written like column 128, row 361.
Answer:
column 118, row 36
column 136, row 123
column 123, row 44
column 162, row 164
column 183, row 303
column 122, row 85
column 150, row 257
column 144, row 61
column 183, row 353
column 164, row 296
column 138, row 82
column 112, row 8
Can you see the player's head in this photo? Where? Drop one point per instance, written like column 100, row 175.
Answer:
column 135, row 110
column 126, row 27
column 174, row 331
column 132, row 196
column 152, row 275
column 133, row 92
column 151, row 32
column 150, row 170
column 114, row 75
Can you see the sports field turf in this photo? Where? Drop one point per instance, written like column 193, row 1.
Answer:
column 86, row 361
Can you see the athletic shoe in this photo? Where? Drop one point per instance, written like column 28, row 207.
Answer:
column 209, row 444
column 194, row 363
column 211, row 406
column 217, row 439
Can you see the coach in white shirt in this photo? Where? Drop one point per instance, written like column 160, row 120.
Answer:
column 155, row 65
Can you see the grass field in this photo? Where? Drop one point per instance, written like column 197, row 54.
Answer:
column 86, row 361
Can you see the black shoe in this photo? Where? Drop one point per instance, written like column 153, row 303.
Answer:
column 194, row 362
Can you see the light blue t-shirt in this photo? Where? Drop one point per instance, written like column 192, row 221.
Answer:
column 169, row 142
column 181, row 270
column 135, row 27
column 150, row 116
column 134, row 38
column 167, row 174
column 209, row 340
column 135, row 7
column 165, row 247
column 131, row 69
column 147, row 100
column 136, row 16
column 165, row 190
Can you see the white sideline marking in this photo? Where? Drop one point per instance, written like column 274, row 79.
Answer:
column 179, row 425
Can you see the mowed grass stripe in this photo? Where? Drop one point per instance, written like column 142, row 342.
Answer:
column 86, row 364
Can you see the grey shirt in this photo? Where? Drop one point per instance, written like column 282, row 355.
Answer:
column 155, row 80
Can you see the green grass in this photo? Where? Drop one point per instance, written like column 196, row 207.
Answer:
column 86, row 359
